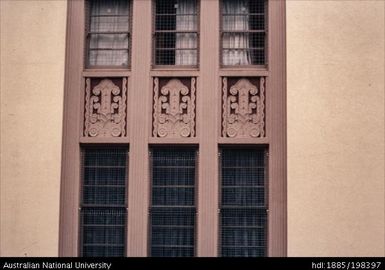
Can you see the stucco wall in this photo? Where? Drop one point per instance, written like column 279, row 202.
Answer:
column 335, row 127
column 335, row 107
column 32, row 77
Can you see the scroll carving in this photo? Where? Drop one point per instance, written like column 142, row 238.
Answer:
column 243, row 109
column 105, row 113
column 174, row 110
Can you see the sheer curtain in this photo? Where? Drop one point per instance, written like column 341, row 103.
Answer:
column 112, row 48
column 186, row 43
column 238, row 42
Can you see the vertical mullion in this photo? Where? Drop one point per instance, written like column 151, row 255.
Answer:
column 138, row 107
column 209, row 129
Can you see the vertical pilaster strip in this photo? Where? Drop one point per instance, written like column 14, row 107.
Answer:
column 70, row 171
column 276, row 124
column 140, row 115
column 209, row 130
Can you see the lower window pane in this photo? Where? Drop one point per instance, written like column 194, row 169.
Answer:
column 172, row 251
column 103, row 251
column 243, row 232
column 243, row 217
column 173, row 203
column 103, row 213
column 101, row 57
column 243, row 252
column 103, row 231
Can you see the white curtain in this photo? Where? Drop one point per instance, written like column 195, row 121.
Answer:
column 238, row 42
column 109, row 16
column 186, row 20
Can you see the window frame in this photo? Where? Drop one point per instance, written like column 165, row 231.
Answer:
column 87, row 31
column 83, row 149
column 266, row 45
column 196, row 186
column 155, row 66
column 208, row 137
column 263, row 148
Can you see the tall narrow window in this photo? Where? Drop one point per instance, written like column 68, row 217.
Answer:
column 108, row 33
column 173, row 202
column 243, row 32
column 243, row 218
column 103, row 206
column 176, row 32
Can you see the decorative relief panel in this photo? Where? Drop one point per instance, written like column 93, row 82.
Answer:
column 243, row 108
column 105, row 112
column 174, row 108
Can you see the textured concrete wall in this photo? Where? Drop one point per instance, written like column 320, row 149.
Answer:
column 32, row 77
column 335, row 103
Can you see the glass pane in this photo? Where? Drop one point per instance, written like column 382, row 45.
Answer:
column 108, row 58
column 109, row 7
column 109, row 41
column 103, row 232
column 110, row 24
column 104, row 47
column 100, row 195
column 243, row 206
column 172, row 232
column 104, row 176
column 243, row 32
column 243, row 232
column 173, row 202
column 176, row 38
column 243, row 196
column 105, row 157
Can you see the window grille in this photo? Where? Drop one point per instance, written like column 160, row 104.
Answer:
column 103, row 206
column 243, row 218
column 176, row 32
column 172, row 213
column 243, row 32
column 108, row 33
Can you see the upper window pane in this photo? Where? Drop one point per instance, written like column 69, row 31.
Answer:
column 243, row 32
column 108, row 33
column 176, row 32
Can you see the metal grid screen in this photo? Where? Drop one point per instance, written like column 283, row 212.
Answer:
column 243, row 32
column 243, row 216
column 108, row 33
column 103, row 208
column 173, row 203
column 176, row 32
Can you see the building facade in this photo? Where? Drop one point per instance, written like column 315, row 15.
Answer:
column 173, row 136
